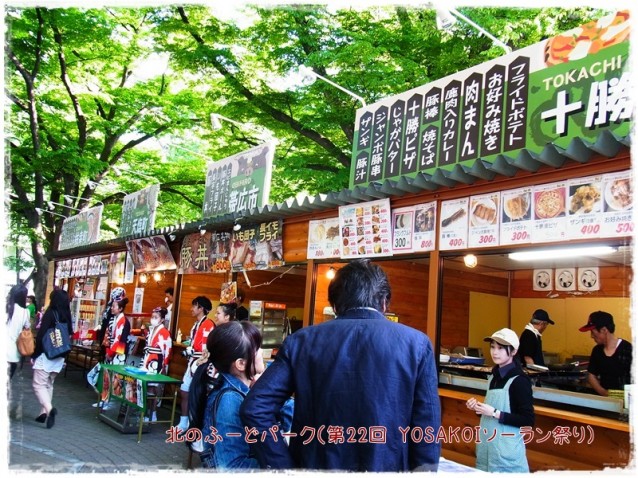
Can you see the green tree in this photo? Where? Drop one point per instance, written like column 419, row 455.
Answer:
column 81, row 110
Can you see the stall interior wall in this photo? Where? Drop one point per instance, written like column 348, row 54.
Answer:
column 409, row 285
column 154, row 291
column 458, row 286
column 288, row 289
column 475, row 305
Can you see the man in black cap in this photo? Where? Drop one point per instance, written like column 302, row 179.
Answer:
column 610, row 361
column 531, row 349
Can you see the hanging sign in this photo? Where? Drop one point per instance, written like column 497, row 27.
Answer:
column 81, row 229
column 258, row 247
column 138, row 211
column 151, row 254
column 208, row 252
column 239, row 182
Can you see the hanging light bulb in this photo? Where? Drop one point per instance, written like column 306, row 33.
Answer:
column 331, row 273
column 143, row 278
column 470, row 260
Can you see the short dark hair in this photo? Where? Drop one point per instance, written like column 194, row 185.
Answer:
column 204, row 303
column 231, row 341
column 229, row 309
column 359, row 284
column 169, row 290
column 122, row 302
column 161, row 311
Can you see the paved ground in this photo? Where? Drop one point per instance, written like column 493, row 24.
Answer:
column 79, row 441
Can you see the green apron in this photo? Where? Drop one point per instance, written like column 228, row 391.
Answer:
column 495, row 452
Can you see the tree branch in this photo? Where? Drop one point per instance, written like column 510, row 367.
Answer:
column 313, row 135
column 79, row 114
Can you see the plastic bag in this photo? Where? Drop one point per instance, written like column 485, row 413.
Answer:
column 93, row 376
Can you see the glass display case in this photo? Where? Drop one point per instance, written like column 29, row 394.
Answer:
column 86, row 315
column 271, row 319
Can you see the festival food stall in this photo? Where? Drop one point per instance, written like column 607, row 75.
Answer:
column 528, row 152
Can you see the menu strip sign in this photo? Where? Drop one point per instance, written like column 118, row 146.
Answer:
column 575, row 84
column 413, row 228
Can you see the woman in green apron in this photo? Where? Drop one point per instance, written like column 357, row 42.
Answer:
column 508, row 407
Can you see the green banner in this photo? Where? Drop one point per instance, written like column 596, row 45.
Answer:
column 573, row 85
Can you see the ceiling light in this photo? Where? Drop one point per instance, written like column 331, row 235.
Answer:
column 544, row 254
column 143, row 278
column 470, row 260
column 331, row 273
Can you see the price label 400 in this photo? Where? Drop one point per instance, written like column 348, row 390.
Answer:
column 458, row 242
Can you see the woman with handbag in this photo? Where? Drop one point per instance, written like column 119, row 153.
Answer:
column 17, row 320
column 45, row 370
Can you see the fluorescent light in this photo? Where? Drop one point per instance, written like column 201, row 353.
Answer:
column 562, row 253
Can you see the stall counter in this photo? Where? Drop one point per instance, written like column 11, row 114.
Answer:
column 561, row 440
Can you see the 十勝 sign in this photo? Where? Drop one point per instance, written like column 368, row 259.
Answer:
column 575, row 84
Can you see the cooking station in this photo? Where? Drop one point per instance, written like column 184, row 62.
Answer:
column 557, row 383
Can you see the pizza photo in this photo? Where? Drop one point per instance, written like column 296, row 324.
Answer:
column 549, row 204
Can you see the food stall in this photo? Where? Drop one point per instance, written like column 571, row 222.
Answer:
column 566, row 180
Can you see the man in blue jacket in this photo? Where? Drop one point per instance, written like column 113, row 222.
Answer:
column 361, row 385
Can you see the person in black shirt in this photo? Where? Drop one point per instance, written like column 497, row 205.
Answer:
column 242, row 312
column 610, row 361
column 531, row 349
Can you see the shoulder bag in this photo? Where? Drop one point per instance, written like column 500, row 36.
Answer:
column 25, row 343
column 56, row 341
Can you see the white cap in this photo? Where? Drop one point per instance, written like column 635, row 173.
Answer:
column 504, row 337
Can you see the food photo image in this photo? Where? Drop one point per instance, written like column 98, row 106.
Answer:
column 516, row 207
column 584, row 198
column 550, row 203
column 484, row 212
column 618, row 195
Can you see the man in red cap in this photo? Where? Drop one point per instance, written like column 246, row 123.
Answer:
column 610, row 361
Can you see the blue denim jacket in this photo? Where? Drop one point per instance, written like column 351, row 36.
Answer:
column 231, row 452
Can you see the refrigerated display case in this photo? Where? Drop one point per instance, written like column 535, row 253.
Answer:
column 271, row 319
column 86, row 315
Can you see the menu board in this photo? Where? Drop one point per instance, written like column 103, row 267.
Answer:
column 413, row 228
column 95, row 263
column 516, row 216
column 549, row 212
column 484, row 224
column 584, row 207
column 151, row 254
column 453, row 224
column 365, row 229
column 617, row 199
column 323, row 238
